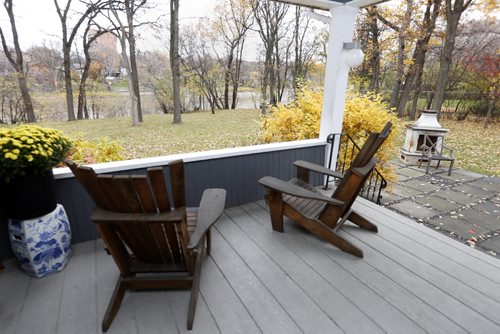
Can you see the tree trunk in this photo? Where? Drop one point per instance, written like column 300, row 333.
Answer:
column 374, row 60
column 131, row 91
column 401, row 52
column 133, row 74
column 82, row 88
column 228, row 76
column 68, row 84
column 237, row 74
column 453, row 14
column 174, row 59
column 413, row 77
column 28, row 106
column 18, row 63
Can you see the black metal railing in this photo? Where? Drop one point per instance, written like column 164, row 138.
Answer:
column 348, row 149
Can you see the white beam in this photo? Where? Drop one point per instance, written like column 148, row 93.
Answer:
column 328, row 4
column 365, row 3
column 316, row 4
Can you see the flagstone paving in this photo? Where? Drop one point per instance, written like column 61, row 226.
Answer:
column 464, row 206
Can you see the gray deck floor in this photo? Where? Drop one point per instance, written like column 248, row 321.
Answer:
column 411, row 280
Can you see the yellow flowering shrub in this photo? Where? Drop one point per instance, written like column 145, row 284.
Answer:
column 294, row 121
column 363, row 114
column 100, row 150
column 30, row 147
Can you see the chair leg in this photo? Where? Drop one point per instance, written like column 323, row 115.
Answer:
column 429, row 160
column 275, row 203
column 114, row 304
column 362, row 222
column 439, row 162
column 195, row 288
column 323, row 231
column 209, row 241
column 451, row 167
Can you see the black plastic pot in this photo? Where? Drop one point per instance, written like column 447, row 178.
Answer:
column 29, row 196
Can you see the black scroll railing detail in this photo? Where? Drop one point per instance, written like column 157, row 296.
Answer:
column 348, row 149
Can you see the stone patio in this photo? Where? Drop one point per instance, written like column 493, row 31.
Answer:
column 464, row 206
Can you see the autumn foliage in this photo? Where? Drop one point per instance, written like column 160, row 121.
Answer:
column 364, row 113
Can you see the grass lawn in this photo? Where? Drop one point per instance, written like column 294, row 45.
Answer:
column 476, row 148
column 157, row 136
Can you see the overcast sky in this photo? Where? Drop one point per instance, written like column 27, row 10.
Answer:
column 37, row 20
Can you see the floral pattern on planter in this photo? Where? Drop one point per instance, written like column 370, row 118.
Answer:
column 42, row 245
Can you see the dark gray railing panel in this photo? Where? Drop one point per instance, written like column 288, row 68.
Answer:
column 239, row 175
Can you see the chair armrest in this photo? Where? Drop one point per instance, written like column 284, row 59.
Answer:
column 211, row 207
column 294, row 190
column 362, row 171
column 317, row 168
column 105, row 216
column 450, row 150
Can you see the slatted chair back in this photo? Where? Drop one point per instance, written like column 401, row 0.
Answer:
column 154, row 243
column 371, row 146
column 352, row 183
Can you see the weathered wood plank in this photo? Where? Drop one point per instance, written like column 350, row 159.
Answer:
column 445, row 245
column 302, row 308
column 348, row 316
column 443, row 302
column 78, row 313
column 14, row 286
column 265, row 310
column 42, row 305
column 204, row 322
column 107, row 274
column 488, row 288
column 314, row 252
column 229, row 312
column 153, row 313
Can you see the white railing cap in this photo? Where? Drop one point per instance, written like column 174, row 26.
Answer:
column 122, row 165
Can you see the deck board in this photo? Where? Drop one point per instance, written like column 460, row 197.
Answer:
column 412, row 280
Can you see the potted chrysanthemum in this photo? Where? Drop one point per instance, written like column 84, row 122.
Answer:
column 38, row 226
column 27, row 155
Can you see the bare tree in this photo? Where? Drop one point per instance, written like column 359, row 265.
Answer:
column 233, row 19
column 270, row 18
column 45, row 65
column 91, row 33
column 401, row 29
column 454, row 10
column 16, row 60
column 126, row 35
column 205, row 72
column 413, row 77
column 304, row 48
column 68, row 36
column 370, row 34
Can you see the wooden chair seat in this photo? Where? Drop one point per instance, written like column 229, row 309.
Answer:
column 306, row 206
column 321, row 215
column 146, row 233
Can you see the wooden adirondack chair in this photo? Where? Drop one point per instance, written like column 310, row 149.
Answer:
column 319, row 214
column 146, row 233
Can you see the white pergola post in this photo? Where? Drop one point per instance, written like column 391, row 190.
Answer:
column 336, row 75
column 336, row 71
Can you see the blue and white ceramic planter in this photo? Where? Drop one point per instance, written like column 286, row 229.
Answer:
column 42, row 245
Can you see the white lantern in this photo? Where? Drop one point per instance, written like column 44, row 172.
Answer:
column 353, row 54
